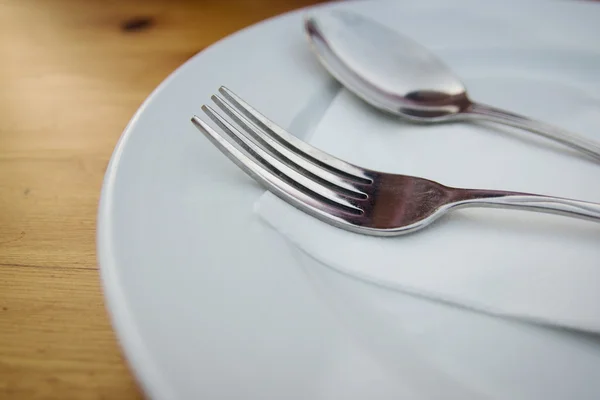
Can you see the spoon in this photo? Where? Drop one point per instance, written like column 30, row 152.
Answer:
column 395, row 74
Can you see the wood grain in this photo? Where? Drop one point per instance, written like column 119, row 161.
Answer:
column 72, row 73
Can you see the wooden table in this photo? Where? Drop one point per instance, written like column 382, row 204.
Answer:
column 72, row 73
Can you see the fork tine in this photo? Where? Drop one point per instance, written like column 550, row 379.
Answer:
column 301, row 148
column 315, row 172
column 281, row 179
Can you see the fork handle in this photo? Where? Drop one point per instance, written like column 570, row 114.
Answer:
column 488, row 113
column 528, row 202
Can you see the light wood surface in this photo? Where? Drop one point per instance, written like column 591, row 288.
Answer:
column 72, row 73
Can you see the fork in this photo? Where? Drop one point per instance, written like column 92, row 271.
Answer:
column 345, row 195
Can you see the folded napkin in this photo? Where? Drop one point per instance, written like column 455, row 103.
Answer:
column 540, row 267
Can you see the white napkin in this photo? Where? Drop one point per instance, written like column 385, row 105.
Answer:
column 528, row 265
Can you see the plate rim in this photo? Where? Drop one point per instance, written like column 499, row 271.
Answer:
column 125, row 330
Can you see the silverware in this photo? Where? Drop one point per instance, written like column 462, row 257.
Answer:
column 398, row 75
column 345, row 195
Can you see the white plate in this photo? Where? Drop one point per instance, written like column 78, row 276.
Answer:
column 209, row 302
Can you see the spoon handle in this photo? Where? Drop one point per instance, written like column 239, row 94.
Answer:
column 488, row 113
